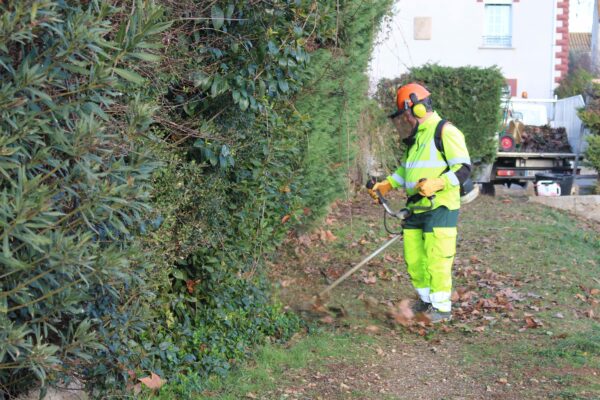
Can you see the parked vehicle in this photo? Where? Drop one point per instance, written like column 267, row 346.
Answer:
column 518, row 161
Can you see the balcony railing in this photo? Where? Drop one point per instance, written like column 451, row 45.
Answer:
column 497, row 41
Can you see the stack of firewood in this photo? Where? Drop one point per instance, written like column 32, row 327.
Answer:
column 544, row 139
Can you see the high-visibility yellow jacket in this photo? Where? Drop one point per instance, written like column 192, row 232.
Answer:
column 424, row 160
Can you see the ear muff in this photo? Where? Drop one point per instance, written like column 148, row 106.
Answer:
column 418, row 109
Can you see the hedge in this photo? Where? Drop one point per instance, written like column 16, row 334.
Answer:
column 75, row 184
column 469, row 97
column 154, row 157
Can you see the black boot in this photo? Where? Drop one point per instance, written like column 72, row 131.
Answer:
column 420, row 306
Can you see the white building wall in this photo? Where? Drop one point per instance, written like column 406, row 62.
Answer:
column 456, row 40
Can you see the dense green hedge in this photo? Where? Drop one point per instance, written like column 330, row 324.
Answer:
column 75, row 183
column 336, row 96
column 469, row 97
column 154, row 156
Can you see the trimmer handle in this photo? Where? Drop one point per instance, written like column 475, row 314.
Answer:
column 370, row 184
column 402, row 214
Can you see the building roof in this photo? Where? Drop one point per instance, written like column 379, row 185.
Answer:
column 580, row 41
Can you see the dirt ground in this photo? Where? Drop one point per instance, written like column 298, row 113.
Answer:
column 411, row 364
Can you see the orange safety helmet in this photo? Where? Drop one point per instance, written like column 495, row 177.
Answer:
column 410, row 97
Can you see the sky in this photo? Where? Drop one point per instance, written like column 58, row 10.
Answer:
column 581, row 15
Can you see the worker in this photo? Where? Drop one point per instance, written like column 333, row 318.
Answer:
column 428, row 170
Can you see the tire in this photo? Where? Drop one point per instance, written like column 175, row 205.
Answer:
column 488, row 189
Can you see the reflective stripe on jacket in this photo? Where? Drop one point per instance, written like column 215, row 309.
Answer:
column 424, row 160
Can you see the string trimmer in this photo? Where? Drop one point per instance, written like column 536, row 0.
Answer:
column 402, row 214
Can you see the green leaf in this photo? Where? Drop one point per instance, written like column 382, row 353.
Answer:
column 283, row 85
column 230, row 9
column 130, row 75
column 146, row 57
column 179, row 274
column 201, row 79
column 244, row 103
column 160, row 27
column 217, row 16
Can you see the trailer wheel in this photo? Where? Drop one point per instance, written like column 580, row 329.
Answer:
column 488, row 189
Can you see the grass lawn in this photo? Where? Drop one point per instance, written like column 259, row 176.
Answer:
column 525, row 325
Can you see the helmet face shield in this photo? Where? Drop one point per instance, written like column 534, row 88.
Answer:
column 404, row 123
column 396, row 114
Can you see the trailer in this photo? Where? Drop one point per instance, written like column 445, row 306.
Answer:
column 515, row 167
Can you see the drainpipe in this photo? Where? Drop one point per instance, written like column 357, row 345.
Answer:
column 553, row 49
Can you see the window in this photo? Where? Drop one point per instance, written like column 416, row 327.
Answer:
column 498, row 25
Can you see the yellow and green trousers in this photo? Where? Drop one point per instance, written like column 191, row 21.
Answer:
column 429, row 249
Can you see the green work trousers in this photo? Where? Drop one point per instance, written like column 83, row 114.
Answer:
column 429, row 249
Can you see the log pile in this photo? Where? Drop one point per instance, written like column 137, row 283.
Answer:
column 545, row 139
column 540, row 139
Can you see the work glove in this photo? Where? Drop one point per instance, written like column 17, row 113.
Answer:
column 428, row 186
column 383, row 187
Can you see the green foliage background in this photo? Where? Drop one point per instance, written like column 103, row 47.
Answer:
column 154, row 155
column 590, row 116
column 334, row 100
column 469, row 97
column 575, row 83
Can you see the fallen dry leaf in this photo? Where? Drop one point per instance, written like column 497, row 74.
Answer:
column 389, row 258
column 305, row 240
column 581, row 297
column 589, row 313
column 285, row 218
column 370, row 279
column 328, row 319
column 474, row 260
column 454, row 297
column 422, row 319
column 402, row 313
column 286, row 282
column 152, row 382
column 372, row 329
column 190, row 284
column 326, row 236
column 319, row 308
column 532, row 323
